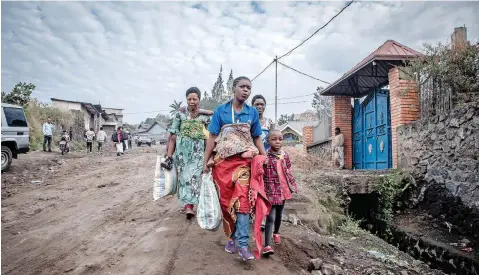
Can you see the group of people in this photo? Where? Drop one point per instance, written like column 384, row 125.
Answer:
column 234, row 143
column 120, row 138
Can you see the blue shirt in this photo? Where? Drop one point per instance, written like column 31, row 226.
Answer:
column 222, row 116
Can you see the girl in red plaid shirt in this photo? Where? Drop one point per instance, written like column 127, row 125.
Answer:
column 279, row 185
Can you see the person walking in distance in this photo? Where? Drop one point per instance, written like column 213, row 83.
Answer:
column 89, row 140
column 118, row 139
column 100, row 139
column 279, row 185
column 48, row 128
column 338, row 148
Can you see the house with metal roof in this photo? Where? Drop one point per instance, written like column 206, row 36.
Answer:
column 157, row 131
column 368, row 113
column 94, row 115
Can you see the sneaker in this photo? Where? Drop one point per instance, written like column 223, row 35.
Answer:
column 268, row 251
column 245, row 254
column 276, row 239
column 167, row 164
column 231, row 247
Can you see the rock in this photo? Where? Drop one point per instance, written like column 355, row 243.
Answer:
column 293, row 219
column 339, row 260
column 316, row 272
column 315, row 264
column 454, row 123
column 461, row 133
column 330, row 269
column 403, row 272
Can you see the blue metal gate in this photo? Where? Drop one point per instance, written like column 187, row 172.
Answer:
column 372, row 132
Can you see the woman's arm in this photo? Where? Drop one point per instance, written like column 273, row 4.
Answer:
column 205, row 112
column 258, row 142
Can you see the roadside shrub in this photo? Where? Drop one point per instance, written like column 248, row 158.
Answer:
column 37, row 113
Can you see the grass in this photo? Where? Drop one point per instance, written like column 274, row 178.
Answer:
column 351, row 226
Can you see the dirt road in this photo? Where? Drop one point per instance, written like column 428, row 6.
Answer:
column 96, row 215
column 92, row 214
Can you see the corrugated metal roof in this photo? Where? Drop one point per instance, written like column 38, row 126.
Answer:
column 364, row 77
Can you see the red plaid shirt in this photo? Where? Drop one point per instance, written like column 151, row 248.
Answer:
column 272, row 184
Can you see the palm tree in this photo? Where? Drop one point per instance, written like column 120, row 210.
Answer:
column 175, row 107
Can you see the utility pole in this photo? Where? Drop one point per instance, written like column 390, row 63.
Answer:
column 276, row 94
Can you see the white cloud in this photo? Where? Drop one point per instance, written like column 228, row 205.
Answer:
column 143, row 55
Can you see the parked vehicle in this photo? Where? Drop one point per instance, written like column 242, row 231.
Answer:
column 143, row 140
column 163, row 141
column 15, row 134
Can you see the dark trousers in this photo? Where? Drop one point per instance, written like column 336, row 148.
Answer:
column 47, row 139
column 89, row 146
column 100, row 146
column 273, row 220
column 124, row 146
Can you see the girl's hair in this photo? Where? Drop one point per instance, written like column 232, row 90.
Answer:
column 238, row 79
column 273, row 131
column 256, row 97
column 193, row 90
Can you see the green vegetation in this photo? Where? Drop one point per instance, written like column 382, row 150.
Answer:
column 391, row 190
column 351, row 226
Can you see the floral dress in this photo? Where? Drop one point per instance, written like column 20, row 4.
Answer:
column 266, row 126
column 189, row 154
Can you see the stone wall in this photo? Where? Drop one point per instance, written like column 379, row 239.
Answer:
column 444, row 150
column 321, row 149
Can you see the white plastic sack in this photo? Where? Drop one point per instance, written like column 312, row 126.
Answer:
column 209, row 209
column 119, row 148
column 165, row 182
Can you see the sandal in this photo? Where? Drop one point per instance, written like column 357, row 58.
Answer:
column 189, row 213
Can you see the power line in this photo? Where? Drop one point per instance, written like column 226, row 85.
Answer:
column 160, row 111
column 325, row 82
column 327, row 23
column 290, row 102
column 295, row 96
column 147, row 112
column 263, row 70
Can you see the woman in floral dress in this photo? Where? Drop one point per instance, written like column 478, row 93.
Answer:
column 189, row 152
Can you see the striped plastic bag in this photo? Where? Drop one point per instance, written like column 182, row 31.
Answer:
column 165, row 182
column 209, row 209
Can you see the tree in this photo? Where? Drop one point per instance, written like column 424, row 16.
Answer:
column 20, row 94
column 444, row 69
column 175, row 107
column 164, row 119
column 229, row 84
column 218, row 92
column 322, row 105
column 284, row 118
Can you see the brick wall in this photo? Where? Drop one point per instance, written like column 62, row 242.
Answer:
column 307, row 137
column 404, row 106
column 342, row 117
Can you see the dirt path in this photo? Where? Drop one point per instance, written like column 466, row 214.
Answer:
column 95, row 215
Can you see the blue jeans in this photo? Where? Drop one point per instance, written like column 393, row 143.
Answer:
column 241, row 233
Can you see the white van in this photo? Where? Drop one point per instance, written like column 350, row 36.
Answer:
column 15, row 134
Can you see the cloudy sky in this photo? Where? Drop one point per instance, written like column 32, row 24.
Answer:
column 141, row 56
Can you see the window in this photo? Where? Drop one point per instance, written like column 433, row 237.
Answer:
column 15, row 117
